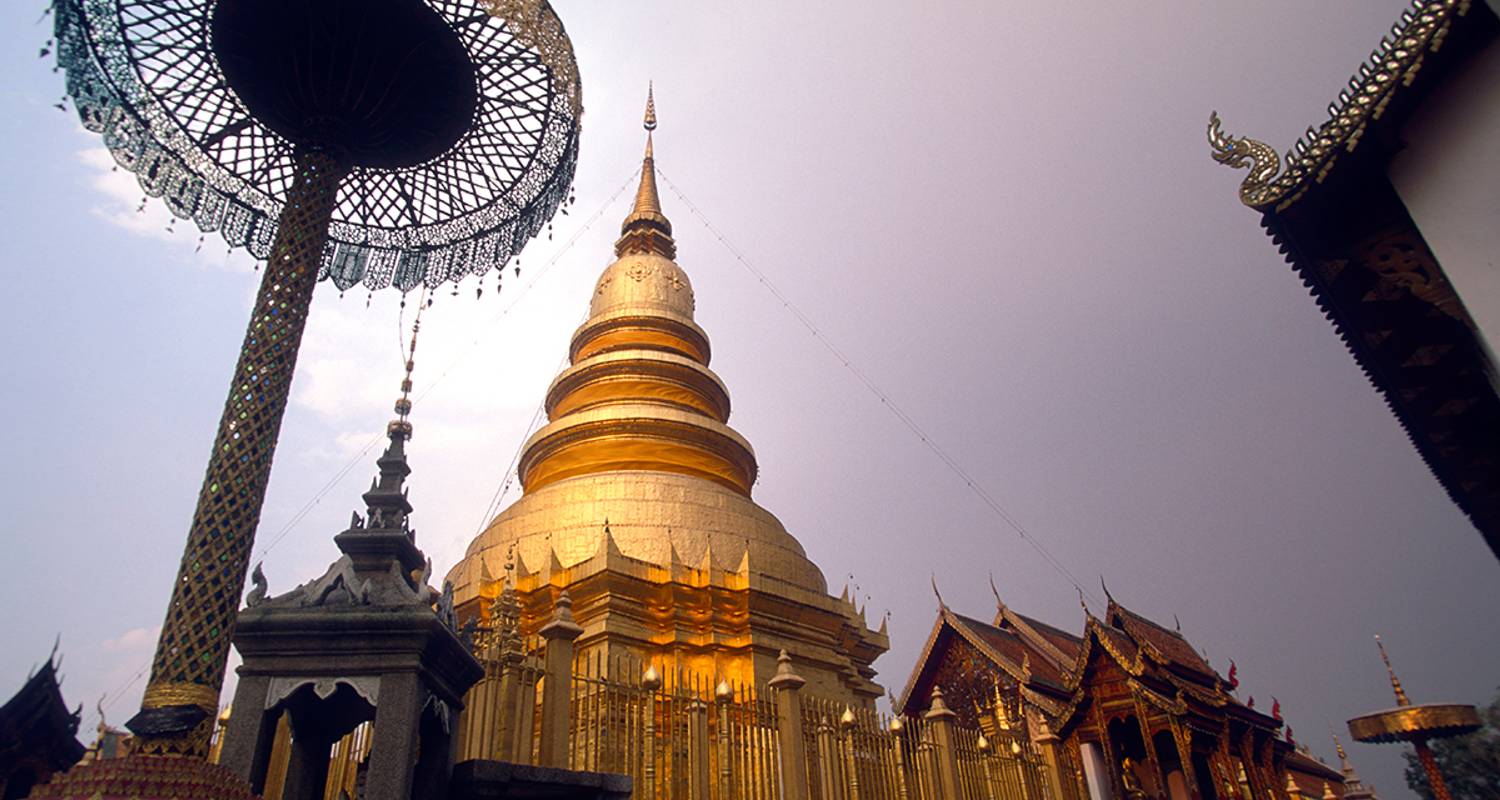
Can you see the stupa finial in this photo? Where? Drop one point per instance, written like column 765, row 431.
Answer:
column 1401, row 698
column 650, row 122
column 647, row 230
column 386, row 502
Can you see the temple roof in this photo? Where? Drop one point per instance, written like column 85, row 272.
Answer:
column 1168, row 643
column 36, row 724
column 1333, row 211
column 1013, row 647
column 1412, row 47
column 1306, row 764
column 1050, row 663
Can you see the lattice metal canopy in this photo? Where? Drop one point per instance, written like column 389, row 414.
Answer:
column 448, row 179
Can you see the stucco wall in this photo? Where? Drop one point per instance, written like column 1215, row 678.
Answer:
column 1449, row 179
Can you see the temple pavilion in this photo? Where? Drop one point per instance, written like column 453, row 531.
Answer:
column 1126, row 708
column 637, row 502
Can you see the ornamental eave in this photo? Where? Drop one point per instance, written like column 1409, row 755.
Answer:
column 1274, row 183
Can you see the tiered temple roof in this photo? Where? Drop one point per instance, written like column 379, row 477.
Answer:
column 38, row 734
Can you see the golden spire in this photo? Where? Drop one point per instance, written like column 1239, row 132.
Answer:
column 647, row 230
column 1401, row 698
column 650, row 121
column 1338, row 746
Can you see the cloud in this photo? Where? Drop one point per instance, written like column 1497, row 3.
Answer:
column 121, row 204
column 119, row 687
column 126, row 659
column 135, row 640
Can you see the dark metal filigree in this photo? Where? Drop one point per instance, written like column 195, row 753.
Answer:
column 144, row 75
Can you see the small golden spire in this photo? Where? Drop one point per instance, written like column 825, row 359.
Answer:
column 650, row 122
column 1401, row 698
column 647, row 229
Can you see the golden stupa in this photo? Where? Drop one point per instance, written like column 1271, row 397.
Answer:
column 637, row 500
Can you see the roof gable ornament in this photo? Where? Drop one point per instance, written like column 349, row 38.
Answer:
column 999, row 604
column 1392, row 66
column 1240, row 152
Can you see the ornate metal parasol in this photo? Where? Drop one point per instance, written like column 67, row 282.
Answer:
column 1416, row 724
column 385, row 142
column 456, row 120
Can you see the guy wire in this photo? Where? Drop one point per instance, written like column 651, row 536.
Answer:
column 885, row 399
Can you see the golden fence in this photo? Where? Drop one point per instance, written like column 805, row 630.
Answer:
column 500, row 716
column 344, row 760
column 681, row 736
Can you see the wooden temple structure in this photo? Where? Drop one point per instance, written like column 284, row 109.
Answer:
column 1386, row 212
column 38, row 733
column 1126, row 709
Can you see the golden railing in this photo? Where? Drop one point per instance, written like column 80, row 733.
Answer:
column 681, row 736
column 344, row 759
column 500, row 718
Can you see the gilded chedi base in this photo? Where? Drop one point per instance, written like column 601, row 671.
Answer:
column 143, row 777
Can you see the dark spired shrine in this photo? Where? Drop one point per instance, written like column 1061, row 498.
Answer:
column 402, row 143
column 38, row 733
column 361, row 643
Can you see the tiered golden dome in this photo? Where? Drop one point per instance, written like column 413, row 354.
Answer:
column 637, row 434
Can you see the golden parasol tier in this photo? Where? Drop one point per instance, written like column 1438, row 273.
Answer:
column 1416, row 724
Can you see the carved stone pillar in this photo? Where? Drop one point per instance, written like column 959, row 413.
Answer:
column 698, row 741
column 940, row 719
column 788, row 687
column 393, row 748
column 560, row 634
column 251, row 732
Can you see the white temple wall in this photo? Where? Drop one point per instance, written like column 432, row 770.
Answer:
column 1449, row 179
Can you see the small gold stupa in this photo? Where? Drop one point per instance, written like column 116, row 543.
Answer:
column 637, row 501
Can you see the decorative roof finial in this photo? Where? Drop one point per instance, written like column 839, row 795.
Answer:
column 1338, row 747
column 1401, row 698
column 386, row 503
column 400, row 425
column 999, row 604
column 939, row 595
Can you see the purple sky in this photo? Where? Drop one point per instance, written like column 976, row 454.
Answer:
column 1005, row 215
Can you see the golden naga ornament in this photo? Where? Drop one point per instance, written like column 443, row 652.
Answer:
column 1394, row 64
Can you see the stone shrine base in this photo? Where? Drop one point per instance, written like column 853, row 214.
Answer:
column 494, row 780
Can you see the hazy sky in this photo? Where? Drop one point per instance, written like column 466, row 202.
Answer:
column 1005, row 215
